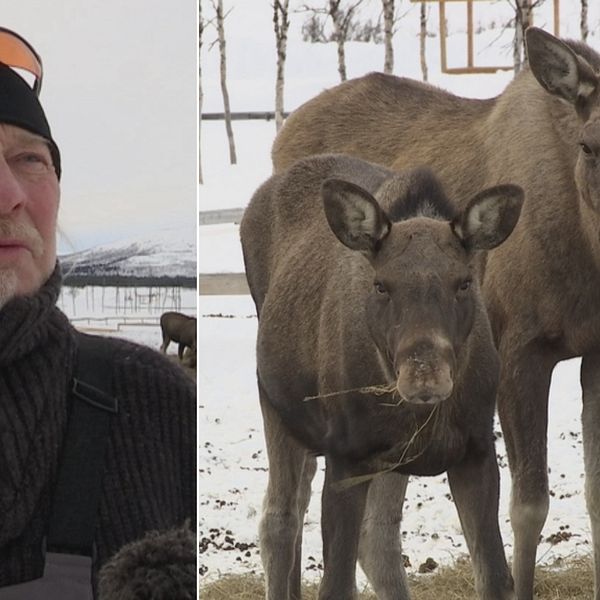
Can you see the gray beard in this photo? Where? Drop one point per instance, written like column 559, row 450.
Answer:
column 8, row 286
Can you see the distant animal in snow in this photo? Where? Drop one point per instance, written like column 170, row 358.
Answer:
column 179, row 328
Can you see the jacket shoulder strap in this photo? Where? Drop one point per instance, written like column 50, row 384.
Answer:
column 77, row 493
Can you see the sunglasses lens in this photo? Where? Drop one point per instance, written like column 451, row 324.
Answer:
column 17, row 53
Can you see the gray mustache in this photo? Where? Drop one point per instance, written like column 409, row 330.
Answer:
column 26, row 234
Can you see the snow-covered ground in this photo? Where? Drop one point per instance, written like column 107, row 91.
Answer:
column 233, row 465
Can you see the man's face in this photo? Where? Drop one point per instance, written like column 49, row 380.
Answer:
column 29, row 198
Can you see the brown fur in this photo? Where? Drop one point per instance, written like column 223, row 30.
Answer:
column 326, row 328
column 542, row 288
column 181, row 329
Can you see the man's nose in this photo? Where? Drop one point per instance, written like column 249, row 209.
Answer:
column 12, row 194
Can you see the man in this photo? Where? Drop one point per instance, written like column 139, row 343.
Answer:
column 136, row 477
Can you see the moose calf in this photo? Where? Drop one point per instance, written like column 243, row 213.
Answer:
column 377, row 353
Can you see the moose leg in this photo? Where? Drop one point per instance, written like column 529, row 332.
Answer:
column 341, row 518
column 165, row 343
column 523, row 409
column 308, row 473
column 279, row 526
column 475, row 487
column 180, row 350
column 590, row 383
column 379, row 550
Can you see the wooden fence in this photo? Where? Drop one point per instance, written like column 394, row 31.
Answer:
column 227, row 283
column 221, row 284
column 220, row 215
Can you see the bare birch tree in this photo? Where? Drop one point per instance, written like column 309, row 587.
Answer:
column 522, row 22
column 388, row 29
column 281, row 24
column 200, row 94
column 584, row 20
column 342, row 18
column 218, row 6
column 423, row 41
column 313, row 28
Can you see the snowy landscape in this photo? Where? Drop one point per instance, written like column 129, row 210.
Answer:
column 232, row 461
column 169, row 253
column 133, row 311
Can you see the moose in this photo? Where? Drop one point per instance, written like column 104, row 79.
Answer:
column 374, row 350
column 542, row 287
column 181, row 329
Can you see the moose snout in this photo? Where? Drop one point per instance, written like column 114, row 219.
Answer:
column 425, row 373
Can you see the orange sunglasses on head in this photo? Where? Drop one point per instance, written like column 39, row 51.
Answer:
column 18, row 53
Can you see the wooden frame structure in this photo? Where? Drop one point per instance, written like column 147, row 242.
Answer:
column 471, row 67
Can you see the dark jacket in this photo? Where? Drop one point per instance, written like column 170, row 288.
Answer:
column 149, row 483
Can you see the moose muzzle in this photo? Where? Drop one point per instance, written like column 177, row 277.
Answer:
column 425, row 371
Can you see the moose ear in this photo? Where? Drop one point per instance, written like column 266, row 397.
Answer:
column 558, row 68
column 354, row 216
column 489, row 217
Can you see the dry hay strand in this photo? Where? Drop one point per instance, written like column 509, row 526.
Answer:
column 571, row 579
column 385, row 465
column 376, row 390
column 252, row 587
column 234, row 587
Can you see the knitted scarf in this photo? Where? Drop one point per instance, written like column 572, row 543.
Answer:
column 149, row 481
column 36, row 361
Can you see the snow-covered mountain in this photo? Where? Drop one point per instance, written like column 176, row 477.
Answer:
column 168, row 256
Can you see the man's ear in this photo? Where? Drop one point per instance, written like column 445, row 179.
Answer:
column 489, row 217
column 354, row 216
column 558, row 68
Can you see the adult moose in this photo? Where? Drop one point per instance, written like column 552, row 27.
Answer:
column 181, row 329
column 397, row 305
column 542, row 288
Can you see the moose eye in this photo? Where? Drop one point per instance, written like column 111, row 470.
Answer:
column 585, row 148
column 464, row 285
column 379, row 287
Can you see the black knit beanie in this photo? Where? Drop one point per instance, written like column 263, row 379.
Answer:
column 20, row 106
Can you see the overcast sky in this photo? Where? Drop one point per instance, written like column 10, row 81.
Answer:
column 120, row 95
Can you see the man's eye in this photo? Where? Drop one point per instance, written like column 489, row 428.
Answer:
column 31, row 162
column 33, row 158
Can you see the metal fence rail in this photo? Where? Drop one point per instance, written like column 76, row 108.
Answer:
column 242, row 116
column 220, row 215
column 222, row 284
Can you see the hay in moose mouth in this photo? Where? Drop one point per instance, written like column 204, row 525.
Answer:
column 385, row 461
column 375, row 390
